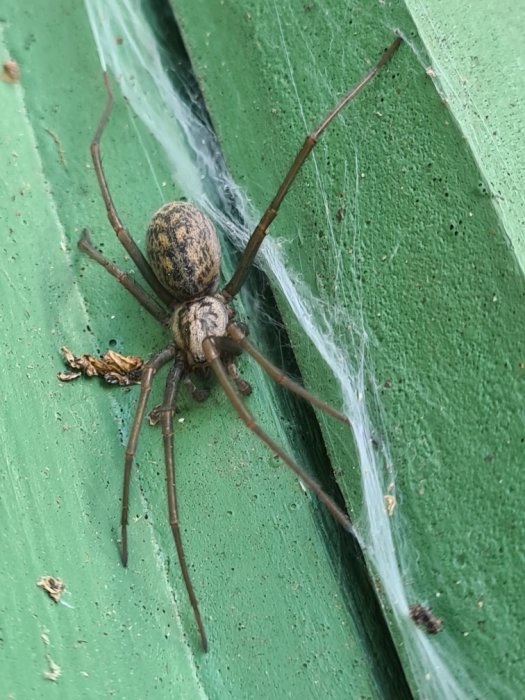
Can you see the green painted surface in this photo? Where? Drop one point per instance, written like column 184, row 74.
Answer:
column 442, row 299
column 399, row 200
column 276, row 596
column 479, row 60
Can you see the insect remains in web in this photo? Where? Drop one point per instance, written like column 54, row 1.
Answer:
column 422, row 615
column 182, row 269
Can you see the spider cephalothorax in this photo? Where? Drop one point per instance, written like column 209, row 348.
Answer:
column 183, row 271
column 194, row 321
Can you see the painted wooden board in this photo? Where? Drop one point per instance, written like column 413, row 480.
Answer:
column 271, row 576
column 408, row 227
column 402, row 233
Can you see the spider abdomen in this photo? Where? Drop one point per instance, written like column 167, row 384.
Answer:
column 184, row 251
column 194, row 321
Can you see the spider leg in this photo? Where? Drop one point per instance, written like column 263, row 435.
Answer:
column 196, row 393
column 257, row 237
column 125, row 280
column 275, row 373
column 230, row 349
column 122, row 234
column 167, row 412
column 150, row 368
column 244, row 387
column 213, row 357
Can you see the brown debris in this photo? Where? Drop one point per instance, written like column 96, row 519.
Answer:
column 390, row 504
column 154, row 415
column 54, row 587
column 422, row 615
column 60, row 150
column 10, row 71
column 113, row 367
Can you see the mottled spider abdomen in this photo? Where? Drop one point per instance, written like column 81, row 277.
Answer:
column 194, row 321
column 184, row 251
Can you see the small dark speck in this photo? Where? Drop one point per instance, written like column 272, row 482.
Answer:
column 422, row 615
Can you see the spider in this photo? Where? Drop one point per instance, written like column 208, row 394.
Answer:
column 183, row 271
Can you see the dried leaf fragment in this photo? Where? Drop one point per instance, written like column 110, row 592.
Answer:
column 54, row 587
column 113, row 367
column 10, row 71
column 423, row 615
column 68, row 376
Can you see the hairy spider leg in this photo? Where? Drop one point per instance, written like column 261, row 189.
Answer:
column 212, row 355
column 122, row 233
column 239, row 336
column 167, row 412
column 158, row 360
column 148, row 302
column 248, row 255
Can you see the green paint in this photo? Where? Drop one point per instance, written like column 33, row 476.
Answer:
column 274, row 599
column 441, row 292
column 478, row 59
column 442, row 301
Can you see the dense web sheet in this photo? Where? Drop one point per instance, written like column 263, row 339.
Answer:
column 192, row 152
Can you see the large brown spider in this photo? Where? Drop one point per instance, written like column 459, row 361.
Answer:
column 183, row 271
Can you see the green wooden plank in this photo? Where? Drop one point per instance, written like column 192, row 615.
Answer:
column 62, row 452
column 275, row 597
column 403, row 223
column 480, row 70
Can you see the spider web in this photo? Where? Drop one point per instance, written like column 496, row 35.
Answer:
column 191, row 151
